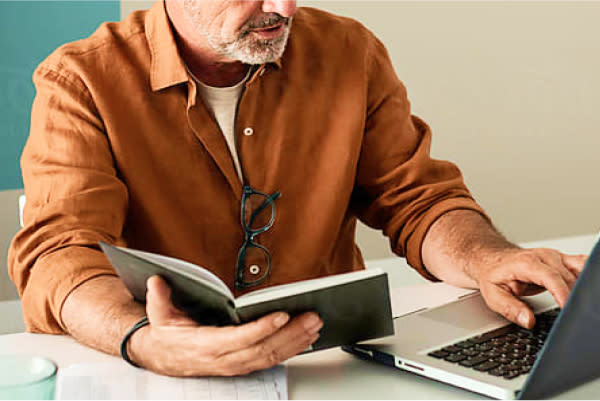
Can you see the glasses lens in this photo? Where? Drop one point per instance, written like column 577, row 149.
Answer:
column 257, row 215
column 257, row 263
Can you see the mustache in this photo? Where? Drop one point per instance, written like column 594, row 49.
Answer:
column 264, row 21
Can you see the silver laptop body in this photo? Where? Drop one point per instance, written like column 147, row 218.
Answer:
column 420, row 333
column 569, row 356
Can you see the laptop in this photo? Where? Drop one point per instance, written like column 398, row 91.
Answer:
column 465, row 344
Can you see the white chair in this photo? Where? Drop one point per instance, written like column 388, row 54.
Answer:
column 21, row 207
column 11, row 318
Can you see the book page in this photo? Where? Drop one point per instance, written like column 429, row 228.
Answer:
column 118, row 381
column 183, row 267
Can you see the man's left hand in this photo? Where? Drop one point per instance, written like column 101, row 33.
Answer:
column 463, row 249
column 521, row 272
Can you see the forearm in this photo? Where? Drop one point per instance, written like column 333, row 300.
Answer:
column 458, row 244
column 99, row 312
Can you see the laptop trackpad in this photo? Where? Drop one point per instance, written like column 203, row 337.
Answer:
column 470, row 313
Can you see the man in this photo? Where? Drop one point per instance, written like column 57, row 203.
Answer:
column 160, row 131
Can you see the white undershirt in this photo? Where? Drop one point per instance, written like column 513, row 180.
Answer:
column 222, row 104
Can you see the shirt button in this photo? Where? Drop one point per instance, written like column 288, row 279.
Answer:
column 248, row 131
column 262, row 72
column 254, row 269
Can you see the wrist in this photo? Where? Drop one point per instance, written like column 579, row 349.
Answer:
column 485, row 257
column 135, row 344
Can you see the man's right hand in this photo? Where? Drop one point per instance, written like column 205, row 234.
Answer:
column 175, row 345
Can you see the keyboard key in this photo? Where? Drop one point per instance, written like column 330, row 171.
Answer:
column 492, row 354
column 474, row 361
column 505, row 367
column 479, row 339
column 452, row 349
column 484, row 347
column 470, row 352
column 524, row 333
column 455, row 358
column 519, row 362
column 511, row 375
column 465, row 344
column 532, row 350
column 499, row 332
column 552, row 313
column 439, row 354
column 484, row 367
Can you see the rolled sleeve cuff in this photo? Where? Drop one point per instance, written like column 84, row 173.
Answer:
column 414, row 247
column 52, row 280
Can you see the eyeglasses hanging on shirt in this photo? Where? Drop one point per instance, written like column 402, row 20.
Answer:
column 257, row 216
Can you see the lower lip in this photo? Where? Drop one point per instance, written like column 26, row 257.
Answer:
column 269, row 33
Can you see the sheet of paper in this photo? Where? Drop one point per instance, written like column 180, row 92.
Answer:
column 412, row 298
column 119, row 381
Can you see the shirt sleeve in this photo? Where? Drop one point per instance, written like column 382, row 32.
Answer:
column 400, row 189
column 74, row 199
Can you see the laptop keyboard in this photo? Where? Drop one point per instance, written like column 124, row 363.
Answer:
column 507, row 352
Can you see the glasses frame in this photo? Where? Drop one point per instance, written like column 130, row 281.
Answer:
column 250, row 234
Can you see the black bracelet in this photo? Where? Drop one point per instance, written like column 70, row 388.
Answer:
column 136, row 327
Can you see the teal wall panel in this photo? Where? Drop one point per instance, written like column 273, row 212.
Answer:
column 29, row 32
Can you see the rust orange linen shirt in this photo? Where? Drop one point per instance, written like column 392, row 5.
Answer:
column 121, row 150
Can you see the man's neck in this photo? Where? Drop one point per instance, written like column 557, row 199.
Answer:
column 210, row 72
column 207, row 66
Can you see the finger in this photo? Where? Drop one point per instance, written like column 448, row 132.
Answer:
column 501, row 300
column 291, row 340
column 159, row 308
column 575, row 263
column 259, row 358
column 235, row 338
column 539, row 274
column 554, row 260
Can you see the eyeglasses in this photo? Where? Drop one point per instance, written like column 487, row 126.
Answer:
column 257, row 256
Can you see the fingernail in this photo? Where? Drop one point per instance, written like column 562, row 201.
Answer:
column 311, row 322
column 281, row 319
column 524, row 319
column 316, row 328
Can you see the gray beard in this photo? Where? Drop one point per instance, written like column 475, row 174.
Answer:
column 250, row 50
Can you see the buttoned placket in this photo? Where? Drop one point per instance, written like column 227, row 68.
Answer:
column 248, row 132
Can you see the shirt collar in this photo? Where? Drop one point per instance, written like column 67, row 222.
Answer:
column 167, row 67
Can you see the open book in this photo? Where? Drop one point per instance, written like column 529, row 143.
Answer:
column 353, row 306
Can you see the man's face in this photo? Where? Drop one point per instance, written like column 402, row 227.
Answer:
column 250, row 31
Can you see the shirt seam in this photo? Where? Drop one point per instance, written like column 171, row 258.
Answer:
column 72, row 80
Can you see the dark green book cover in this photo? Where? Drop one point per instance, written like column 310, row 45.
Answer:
column 353, row 306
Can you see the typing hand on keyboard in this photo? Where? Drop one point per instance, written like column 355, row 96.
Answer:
column 521, row 272
column 509, row 351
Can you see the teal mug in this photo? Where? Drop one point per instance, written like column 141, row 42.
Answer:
column 26, row 377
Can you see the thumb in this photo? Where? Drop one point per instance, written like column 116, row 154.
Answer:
column 504, row 302
column 159, row 308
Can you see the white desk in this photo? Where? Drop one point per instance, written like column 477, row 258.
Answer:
column 330, row 374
